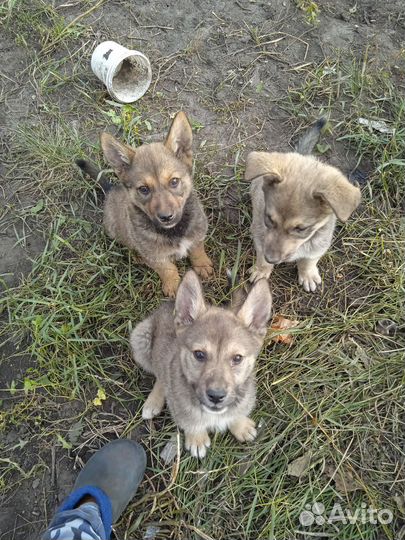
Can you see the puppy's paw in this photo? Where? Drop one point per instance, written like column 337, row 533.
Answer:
column 260, row 272
column 153, row 406
column 243, row 429
column 309, row 278
column 170, row 286
column 197, row 443
column 204, row 267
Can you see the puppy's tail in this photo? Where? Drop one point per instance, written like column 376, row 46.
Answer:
column 95, row 173
column 307, row 142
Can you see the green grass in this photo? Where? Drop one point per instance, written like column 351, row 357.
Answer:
column 38, row 19
column 336, row 394
column 311, row 10
column 346, row 91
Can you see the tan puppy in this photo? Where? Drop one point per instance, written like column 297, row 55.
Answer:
column 155, row 210
column 295, row 200
column 203, row 359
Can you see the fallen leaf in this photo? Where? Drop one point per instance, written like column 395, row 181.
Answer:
column 281, row 323
column 38, row 207
column 36, row 483
column 359, row 356
column 65, row 444
column 323, row 148
column 344, row 479
column 74, row 432
column 151, row 532
column 386, row 327
column 169, row 452
column 400, row 501
column 299, row 467
column 378, row 125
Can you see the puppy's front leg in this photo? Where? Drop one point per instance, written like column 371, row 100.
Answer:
column 197, row 442
column 155, row 402
column 262, row 269
column 202, row 264
column 308, row 274
column 169, row 275
column 243, row 429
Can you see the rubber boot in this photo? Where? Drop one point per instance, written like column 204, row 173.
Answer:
column 111, row 476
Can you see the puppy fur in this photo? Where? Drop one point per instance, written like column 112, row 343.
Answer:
column 203, row 358
column 296, row 200
column 154, row 209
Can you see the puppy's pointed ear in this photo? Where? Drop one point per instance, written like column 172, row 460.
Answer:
column 180, row 139
column 256, row 310
column 335, row 190
column 117, row 154
column 189, row 303
column 261, row 164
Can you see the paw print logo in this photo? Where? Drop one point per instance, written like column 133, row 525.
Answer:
column 312, row 514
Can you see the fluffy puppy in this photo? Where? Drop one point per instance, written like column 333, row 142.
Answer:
column 203, row 358
column 154, row 210
column 296, row 200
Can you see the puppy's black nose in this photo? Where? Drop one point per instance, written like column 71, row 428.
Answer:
column 216, row 395
column 165, row 218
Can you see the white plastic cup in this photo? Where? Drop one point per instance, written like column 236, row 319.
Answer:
column 127, row 74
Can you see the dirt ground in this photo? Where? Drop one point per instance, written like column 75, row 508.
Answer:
column 251, row 75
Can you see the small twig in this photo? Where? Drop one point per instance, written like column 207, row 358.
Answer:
column 157, row 26
column 273, row 40
column 301, row 66
column 243, row 8
column 170, row 57
column 53, row 468
column 182, row 523
column 135, row 37
column 245, row 138
column 71, row 4
column 217, row 17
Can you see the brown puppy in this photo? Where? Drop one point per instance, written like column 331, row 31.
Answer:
column 203, row 359
column 295, row 200
column 155, row 210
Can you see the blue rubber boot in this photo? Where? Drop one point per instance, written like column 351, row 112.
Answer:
column 111, row 476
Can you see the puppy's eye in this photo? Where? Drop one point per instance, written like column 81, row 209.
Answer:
column 268, row 222
column 174, row 182
column 237, row 359
column 144, row 190
column 300, row 229
column 200, row 356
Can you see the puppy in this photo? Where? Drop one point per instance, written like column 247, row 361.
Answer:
column 296, row 200
column 154, row 209
column 203, row 359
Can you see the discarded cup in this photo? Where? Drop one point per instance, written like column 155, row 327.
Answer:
column 127, row 74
